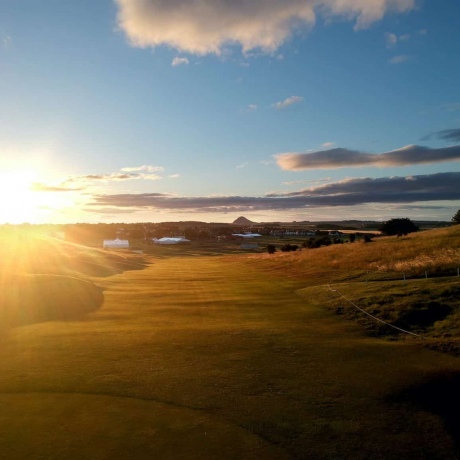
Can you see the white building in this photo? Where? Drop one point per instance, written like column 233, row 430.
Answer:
column 116, row 244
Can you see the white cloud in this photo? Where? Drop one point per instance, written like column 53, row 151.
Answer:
column 328, row 145
column 179, row 61
column 391, row 39
column 399, row 59
column 252, row 107
column 288, row 101
column 209, row 26
column 242, row 165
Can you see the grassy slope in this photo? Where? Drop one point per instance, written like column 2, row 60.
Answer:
column 42, row 279
column 221, row 358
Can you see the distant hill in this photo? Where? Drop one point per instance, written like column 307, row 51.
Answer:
column 243, row 221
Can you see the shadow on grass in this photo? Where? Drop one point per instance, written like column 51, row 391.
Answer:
column 438, row 395
column 30, row 299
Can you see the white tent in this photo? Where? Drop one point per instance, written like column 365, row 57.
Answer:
column 116, row 244
column 247, row 235
column 172, row 240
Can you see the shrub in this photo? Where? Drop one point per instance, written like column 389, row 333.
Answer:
column 289, row 247
column 398, row 226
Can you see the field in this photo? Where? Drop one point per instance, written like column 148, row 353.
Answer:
column 235, row 356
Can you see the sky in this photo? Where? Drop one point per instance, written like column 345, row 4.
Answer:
column 276, row 110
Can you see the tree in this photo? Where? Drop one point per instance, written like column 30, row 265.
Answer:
column 398, row 226
column 456, row 217
column 271, row 248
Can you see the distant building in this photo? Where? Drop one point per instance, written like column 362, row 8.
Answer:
column 249, row 246
column 116, row 244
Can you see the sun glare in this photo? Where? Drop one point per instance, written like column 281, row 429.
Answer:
column 20, row 202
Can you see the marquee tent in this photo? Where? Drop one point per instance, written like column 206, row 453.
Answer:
column 116, row 244
column 172, row 240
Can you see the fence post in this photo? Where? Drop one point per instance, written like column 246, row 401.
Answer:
column 404, row 277
column 426, row 274
column 458, row 271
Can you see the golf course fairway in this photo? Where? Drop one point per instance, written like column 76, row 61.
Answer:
column 209, row 357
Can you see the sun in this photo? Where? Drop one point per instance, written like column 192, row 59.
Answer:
column 20, row 202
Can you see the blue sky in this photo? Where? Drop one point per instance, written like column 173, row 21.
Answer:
column 154, row 110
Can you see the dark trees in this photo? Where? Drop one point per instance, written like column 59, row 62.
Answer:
column 401, row 226
column 456, row 217
column 271, row 249
column 289, row 247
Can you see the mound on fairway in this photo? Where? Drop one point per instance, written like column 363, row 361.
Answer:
column 31, row 253
column 119, row 428
column 29, row 299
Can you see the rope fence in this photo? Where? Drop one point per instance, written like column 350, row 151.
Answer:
column 372, row 316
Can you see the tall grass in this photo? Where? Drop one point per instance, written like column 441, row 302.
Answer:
column 436, row 250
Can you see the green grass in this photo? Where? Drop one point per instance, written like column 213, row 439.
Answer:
column 225, row 358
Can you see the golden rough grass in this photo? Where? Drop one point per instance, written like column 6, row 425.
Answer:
column 434, row 250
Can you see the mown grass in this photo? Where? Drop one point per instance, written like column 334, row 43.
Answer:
column 224, row 357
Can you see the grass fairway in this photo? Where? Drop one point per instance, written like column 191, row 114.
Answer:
column 209, row 357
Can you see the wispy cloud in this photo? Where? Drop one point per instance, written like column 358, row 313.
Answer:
column 41, row 187
column 287, row 102
column 391, row 39
column 297, row 182
column 399, row 59
column 344, row 158
column 78, row 183
column 349, row 192
column 148, row 168
column 252, row 107
column 242, row 165
column 328, row 145
column 179, row 61
column 7, row 41
column 208, row 26
column 450, row 135
column 452, row 107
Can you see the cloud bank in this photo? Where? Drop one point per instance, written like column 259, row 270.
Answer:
column 350, row 192
column 209, row 26
column 344, row 158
